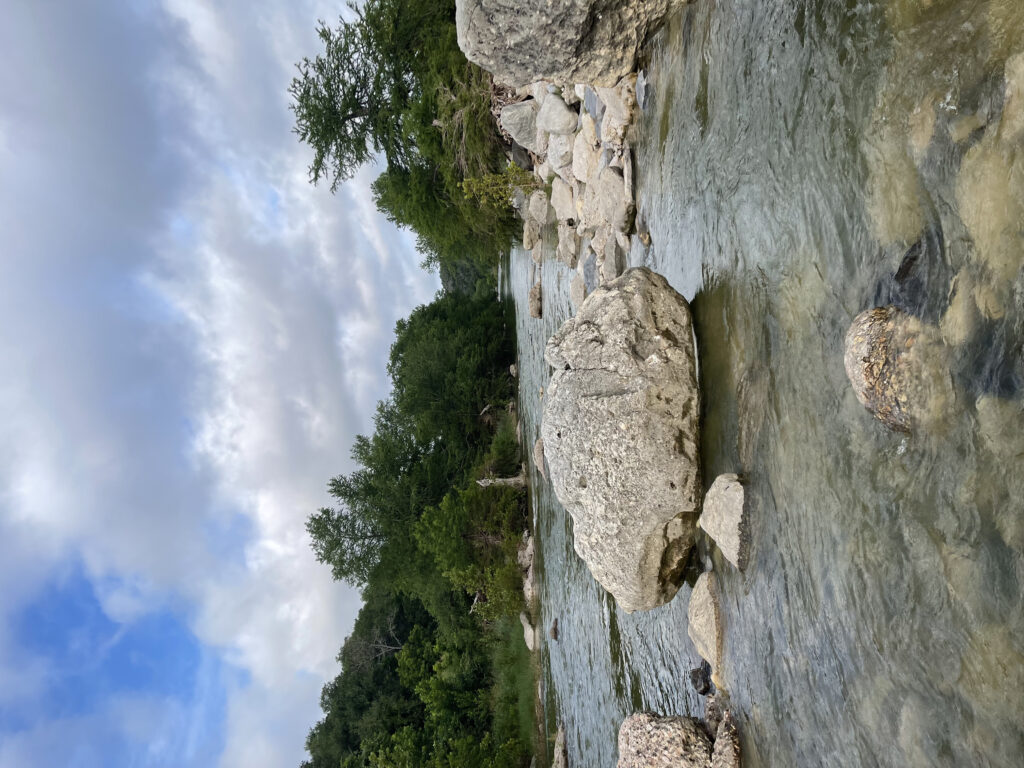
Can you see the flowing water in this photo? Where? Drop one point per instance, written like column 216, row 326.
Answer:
column 788, row 155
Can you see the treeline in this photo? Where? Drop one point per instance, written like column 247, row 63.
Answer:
column 392, row 81
column 435, row 672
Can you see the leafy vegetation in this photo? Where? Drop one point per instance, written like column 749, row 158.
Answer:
column 435, row 672
column 392, row 81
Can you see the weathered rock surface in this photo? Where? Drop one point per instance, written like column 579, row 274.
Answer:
column 620, row 435
column 556, row 117
column 535, row 301
column 704, row 620
column 561, row 756
column 722, row 518
column 727, row 744
column 562, row 200
column 649, row 741
column 539, row 208
column 529, row 632
column 520, row 122
column 568, row 245
column 567, row 41
column 577, row 290
column 899, row 369
column 560, row 150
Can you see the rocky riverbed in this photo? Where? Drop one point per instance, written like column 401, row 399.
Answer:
column 790, row 178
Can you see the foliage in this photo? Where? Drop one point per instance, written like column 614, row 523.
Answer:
column 423, row 680
column 392, row 81
column 497, row 190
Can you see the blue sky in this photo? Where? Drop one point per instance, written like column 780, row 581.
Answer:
column 190, row 336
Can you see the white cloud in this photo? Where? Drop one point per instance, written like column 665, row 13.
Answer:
column 194, row 335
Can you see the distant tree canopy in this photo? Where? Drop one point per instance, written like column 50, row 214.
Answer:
column 392, row 81
column 425, row 681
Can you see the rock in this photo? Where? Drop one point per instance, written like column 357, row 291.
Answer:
column 524, row 555
column 565, row 41
column 531, row 233
column 620, row 429
column 1011, row 126
column 540, row 142
column 584, row 157
column 539, row 208
column 713, row 713
column 893, row 190
column 562, row 200
column 556, row 117
column 620, row 103
column 577, row 290
column 700, row 679
column 536, row 305
column 726, row 753
column 704, row 620
column 605, row 201
column 647, row 740
column 513, row 371
column 899, row 368
column 538, row 456
column 560, row 759
column 560, row 147
column 543, row 172
column 990, row 193
column 568, row 245
column 530, row 594
column 961, row 128
column 961, row 317
column 723, row 520
column 519, row 121
column 553, row 632
column 529, row 632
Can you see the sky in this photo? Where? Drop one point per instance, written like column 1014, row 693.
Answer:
column 191, row 334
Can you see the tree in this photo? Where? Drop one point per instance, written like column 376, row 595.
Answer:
column 356, row 97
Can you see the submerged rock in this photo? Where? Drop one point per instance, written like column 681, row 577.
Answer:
column 566, row 41
column 620, row 429
column 899, row 368
column 535, row 301
column 722, row 518
column 649, row 741
column 704, row 620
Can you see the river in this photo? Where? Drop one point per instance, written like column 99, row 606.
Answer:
column 787, row 155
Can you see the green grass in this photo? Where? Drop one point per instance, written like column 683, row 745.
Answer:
column 514, row 684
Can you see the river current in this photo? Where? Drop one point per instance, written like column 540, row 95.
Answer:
column 788, row 155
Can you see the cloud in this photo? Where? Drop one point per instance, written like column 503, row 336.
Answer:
column 193, row 336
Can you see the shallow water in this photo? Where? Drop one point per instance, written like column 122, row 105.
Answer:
column 788, row 156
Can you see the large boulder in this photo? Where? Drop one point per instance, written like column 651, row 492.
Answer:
column 649, row 741
column 566, row 41
column 899, row 368
column 620, row 430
